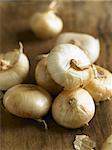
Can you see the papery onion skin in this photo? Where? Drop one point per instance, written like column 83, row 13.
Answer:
column 101, row 87
column 44, row 79
column 62, row 70
column 15, row 74
column 84, row 142
column 73, row 109
column 46, row 24
column 107, row 145
column 27, row 101
column 86, row 42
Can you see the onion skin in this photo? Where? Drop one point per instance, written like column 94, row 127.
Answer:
column 27, row 101
column 17, row 73
column 86, row 42
column 73, row 109
column 107, row 144
column 101, row 87
column 44, row 79
column 46, row 24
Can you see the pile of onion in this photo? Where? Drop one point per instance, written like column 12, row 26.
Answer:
column 67, row 72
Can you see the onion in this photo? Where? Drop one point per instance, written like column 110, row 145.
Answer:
column 69, row 66
column 107, row 145
column 73, row 109
column 46, row 24
column 44, row 79
column 101, row 87
column 87, row 43
column 14, row 67
column 27, row 101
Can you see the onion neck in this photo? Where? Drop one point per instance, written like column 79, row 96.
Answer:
column 53, row 6
column 4, row 65
column 101, row 74
column 72, row 102
column 73, row 65
column 98, row 74
column 77, row 43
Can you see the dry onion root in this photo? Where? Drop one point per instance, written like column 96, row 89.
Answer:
column 44, row 79
column 101, row 87
column 73, row 109
column 14, row 67
column 107, row 145
column 69, row 66
column 46, row 24
column 27, row 101
column 87, row 43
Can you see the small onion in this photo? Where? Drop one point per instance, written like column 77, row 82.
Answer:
column 44, row 79
column 46, row 24
column 14, row 67
column 73, row 109
column 27, row 101
column 87, row 43
column 101, row 87
column 107, row 145
column 69, row 66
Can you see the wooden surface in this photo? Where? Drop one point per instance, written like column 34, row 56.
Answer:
column 94, row 18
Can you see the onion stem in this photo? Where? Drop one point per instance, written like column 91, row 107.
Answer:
column 52, row 5
column 55, row 5
column 21, row 47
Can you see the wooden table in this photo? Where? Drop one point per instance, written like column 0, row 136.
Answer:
column 90, row 17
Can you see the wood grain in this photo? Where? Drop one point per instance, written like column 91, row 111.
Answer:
column 90, row 17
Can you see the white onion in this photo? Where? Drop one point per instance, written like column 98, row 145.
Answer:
column 86, row 42
column 69, row 66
